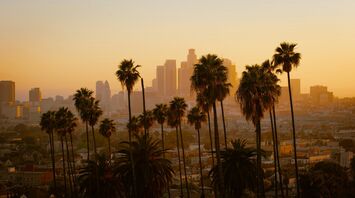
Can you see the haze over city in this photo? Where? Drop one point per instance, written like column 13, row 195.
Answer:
column 60, row 46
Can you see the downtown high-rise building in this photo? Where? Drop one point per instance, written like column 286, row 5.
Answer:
column 7, row 92
column 232, row 77
column 170, row 78
column 160, row 80
column 35, row 95
column 103, row 94
column 185, row 73
column 296, row 88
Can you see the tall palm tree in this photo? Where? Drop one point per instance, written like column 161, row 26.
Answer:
column 173, row 122
column 48, row 124
column 154, row 172
column 239, row 167
column 61, row 128
column 196, row 117
column 178, row 107
column 146, row 120
column 256, row 93
column 208, row 76
column 269, row 66
column 222, row 94
column 82, row 102
column 95, row 112
column 206, row 107
column 144, row 110
column 135, row 126
column 160, row 114
column 107, row 127
column 287, row 58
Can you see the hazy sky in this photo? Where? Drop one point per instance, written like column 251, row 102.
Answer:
column 62, row 45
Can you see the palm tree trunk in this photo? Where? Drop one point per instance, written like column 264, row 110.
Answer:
column 221, row 189
column 275, row 156
column 69, row 167
column 109, row 149
column 178, row 150
column 199, row 158
column 134, row 193
column 183, row 160
column 224, row 126
column 145, row 128
column 64, row 173
column 293, row 135
column 260, row 179
column 210, row 134
column 51, row 143
column 277, row 153
column 163, row 147
column 94, row 140
column 87, row 139
column 73, row 164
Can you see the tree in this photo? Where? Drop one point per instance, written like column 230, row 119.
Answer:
column 128, row 75
column 208, row 76
column 95, row 112
column 287, row 58
column 154, row 172
column 146, row 120
column 160, row 114
column 239, row 167
column 222, row 94
column 268, row 66
column 196, row 117
column 134, row 125
column 99, row 171
column 256, row 93
column 324, row 179
column 107, row 127
column 173, row 122
column 178, row 107
column 82, row 102
column 48, row 124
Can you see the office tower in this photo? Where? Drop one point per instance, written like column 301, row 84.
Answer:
column 118, row 102
column 35, row 95
column 296, row 88
column 103, row 94
column 185, row 73
column 320, row 95
column 160, row 76
column 7, row 92
column 232, row 75
column 155, row 85
column 170, row 78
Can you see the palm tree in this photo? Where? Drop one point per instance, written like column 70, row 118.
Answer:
column 173, row 122
column 239, row 167
column 48, row 124
column 160, row 114
column 99, row 171
column 196, row 117
column 128, row 75
column 257, row 92
column 82, row 102
column 61, row 128
column 95, row 112
column 146, row 120
column 135, row 126
column 206, row 107
column 222, row 94
column 208, row 77
column 154, row 172
column 268, row 66
column 287, row 58
column 107, row 127
column 178, row 107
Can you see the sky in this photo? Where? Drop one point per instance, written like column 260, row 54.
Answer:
column 63, row 45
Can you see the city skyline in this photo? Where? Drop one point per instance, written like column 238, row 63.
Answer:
column 47, row 42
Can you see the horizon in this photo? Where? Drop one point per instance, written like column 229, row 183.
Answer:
column 49, row 41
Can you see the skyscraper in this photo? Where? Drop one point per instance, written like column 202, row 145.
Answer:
column 170, row 78
column 160, row 78
column 232, row 75
column 7, row 92
column 296, row 88
column 185, row 73
column 35, row 95
column 103, row 94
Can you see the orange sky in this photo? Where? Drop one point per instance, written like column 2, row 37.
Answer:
column 61, row 46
